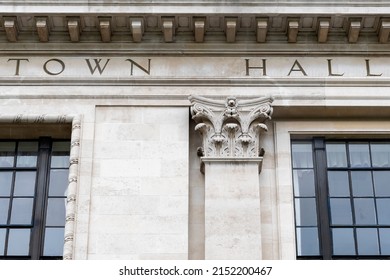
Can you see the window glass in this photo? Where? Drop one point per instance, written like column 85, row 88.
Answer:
column 21, row 211
column 55, row 212
column 308, row 243
column 341, row 213
column 382, row 183
column 31, row 203
column 27, row 154
column 60, row 154
column 383, row 209
column 346, row 193
column 336, row 155
column 54, row 240
column 367, row 241
column 343, row 241
column 359, row 155
column 380, row 154
column 25, row 183
column 7, row 153
column 4, row 206
column 338, row 183
column 361, row 183
column 365, row 211
column 304, row 182
column 58, row 182
column 5, row 183
column 18, row 242
column 3, row 232
column 384, row 235
column 302, row 155
column 305, row 212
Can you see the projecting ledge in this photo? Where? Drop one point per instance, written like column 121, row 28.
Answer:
column 231, row 160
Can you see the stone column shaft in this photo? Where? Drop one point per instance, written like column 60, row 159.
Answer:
column 232, row 210
column 231, row 161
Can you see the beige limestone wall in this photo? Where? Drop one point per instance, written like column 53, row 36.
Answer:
column 139, row 195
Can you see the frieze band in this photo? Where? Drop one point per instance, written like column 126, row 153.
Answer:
column 193, row 67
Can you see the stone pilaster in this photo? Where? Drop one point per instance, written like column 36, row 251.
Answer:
column 231, row 160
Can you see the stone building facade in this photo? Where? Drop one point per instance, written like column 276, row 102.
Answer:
column 194, row 129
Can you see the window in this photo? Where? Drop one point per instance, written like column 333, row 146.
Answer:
column 33, row 183
column 342, row 198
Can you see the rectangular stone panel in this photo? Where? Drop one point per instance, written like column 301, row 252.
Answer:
column 139, row 198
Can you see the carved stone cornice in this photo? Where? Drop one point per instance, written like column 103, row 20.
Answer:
column 237, row 23
column 231, row 129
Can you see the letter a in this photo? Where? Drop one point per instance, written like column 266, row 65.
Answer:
column 300, row 68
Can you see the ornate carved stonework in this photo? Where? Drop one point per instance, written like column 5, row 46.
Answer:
column 231, row 129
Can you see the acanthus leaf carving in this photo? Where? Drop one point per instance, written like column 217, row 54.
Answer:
column 231, row 129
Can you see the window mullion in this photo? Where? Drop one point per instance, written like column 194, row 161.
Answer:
column 41, row 194
column 322, row 196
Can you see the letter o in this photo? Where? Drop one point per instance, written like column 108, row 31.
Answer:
column 62, row 64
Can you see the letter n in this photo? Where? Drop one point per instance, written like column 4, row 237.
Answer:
column 132, row 63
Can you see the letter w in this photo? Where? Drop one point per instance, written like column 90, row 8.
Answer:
column 97, row 66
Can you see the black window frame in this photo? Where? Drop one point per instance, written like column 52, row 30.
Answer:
column 322, row 197
column 41, row 196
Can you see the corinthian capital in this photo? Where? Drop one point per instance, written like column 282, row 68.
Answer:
column 231, row 129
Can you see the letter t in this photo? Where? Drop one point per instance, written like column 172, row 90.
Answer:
column 18, row 60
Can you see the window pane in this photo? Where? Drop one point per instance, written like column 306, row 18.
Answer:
column 25, row 183
column 58, row 182
column 361, row 183
column 4, row 206
column 5, row 183
column 18, row 242
column 305, row 212
column 60, row 154
column 359, row 155
column 55, row 212
column 336, row 155
column 302, row 155
column 3, row 232
column 367, row 239
column 27, row 154
column 364, row 211
column 307, row 241
column 21, row 211
column 383, row 209
column 338, row 183
column 382, row 183
column 380, row 155
column 384, row 235
column 7, row 153
column 341, row 212
column 54, row 242
column 304, row 182
column 343, row 241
